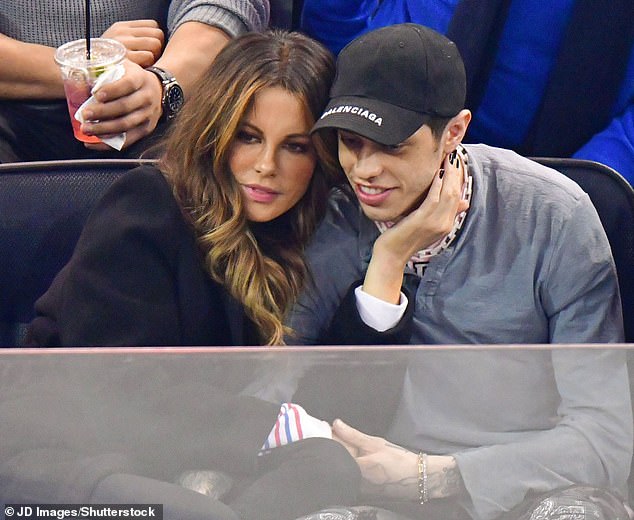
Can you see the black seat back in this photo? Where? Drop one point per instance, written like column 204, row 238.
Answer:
column 613, row 197
column 43, row 207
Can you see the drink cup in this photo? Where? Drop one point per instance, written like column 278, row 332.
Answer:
column 80, row 74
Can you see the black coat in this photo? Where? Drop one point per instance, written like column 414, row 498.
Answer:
column 137, row 278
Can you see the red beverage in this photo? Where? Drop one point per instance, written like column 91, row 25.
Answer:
column 77, row 91
column 80, row 73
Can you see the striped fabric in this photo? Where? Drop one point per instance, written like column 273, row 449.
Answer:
column 293, row 424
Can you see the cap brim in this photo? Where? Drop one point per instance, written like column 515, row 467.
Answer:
column 382, row 122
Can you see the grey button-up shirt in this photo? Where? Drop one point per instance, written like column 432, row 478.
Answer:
column 531, row 265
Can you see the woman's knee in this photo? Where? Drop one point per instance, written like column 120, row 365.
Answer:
column 330, row 459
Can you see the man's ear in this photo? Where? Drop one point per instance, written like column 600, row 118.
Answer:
column 456, row 130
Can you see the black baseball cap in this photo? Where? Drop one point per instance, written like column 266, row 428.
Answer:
column 390, row 79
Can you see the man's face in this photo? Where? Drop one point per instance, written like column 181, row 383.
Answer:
column 390, row 181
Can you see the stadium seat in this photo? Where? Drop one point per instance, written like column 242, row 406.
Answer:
column 613, row 197
column 43, row 206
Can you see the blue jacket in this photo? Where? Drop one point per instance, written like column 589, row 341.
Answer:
column 523, row 63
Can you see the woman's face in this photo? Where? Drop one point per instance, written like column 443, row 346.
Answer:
column 272, row 156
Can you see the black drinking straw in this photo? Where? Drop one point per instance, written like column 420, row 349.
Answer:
column 88, row 30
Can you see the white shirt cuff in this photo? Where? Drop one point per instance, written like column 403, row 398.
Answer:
column 377, row 313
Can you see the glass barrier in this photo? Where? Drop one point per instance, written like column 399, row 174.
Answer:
column 212, row 433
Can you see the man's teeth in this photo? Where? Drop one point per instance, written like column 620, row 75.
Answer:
column 371, row 191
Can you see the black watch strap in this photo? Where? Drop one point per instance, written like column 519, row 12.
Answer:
column 173, row 98
column 163, row 75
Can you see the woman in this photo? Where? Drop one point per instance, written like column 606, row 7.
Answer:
column 178, row 257
column 204, row 250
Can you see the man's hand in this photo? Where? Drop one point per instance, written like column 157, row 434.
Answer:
column 144, row 40
column 131, row 104
column 387, row 469
column 392, row 471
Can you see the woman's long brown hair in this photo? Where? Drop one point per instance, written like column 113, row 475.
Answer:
column 266, row 280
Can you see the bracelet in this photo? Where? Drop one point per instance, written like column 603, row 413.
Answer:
column 423, row 492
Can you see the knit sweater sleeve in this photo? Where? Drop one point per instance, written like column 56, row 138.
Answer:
column 235, row 17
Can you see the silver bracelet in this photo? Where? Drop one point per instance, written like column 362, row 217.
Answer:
column 423, row 492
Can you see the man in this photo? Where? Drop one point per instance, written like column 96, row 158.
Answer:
column 517, row 255
column 178, row 38
column 544, row 78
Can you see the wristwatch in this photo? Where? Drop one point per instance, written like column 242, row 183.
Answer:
column 173, row 97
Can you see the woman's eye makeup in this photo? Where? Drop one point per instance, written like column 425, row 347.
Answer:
column 293, row 144
column 298, row 147
column 246, row 136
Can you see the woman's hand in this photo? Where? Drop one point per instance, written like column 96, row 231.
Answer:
column 431, row 221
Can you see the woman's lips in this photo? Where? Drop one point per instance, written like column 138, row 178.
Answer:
column 259, row 193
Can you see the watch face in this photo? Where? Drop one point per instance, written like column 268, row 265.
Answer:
column 174, row 100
